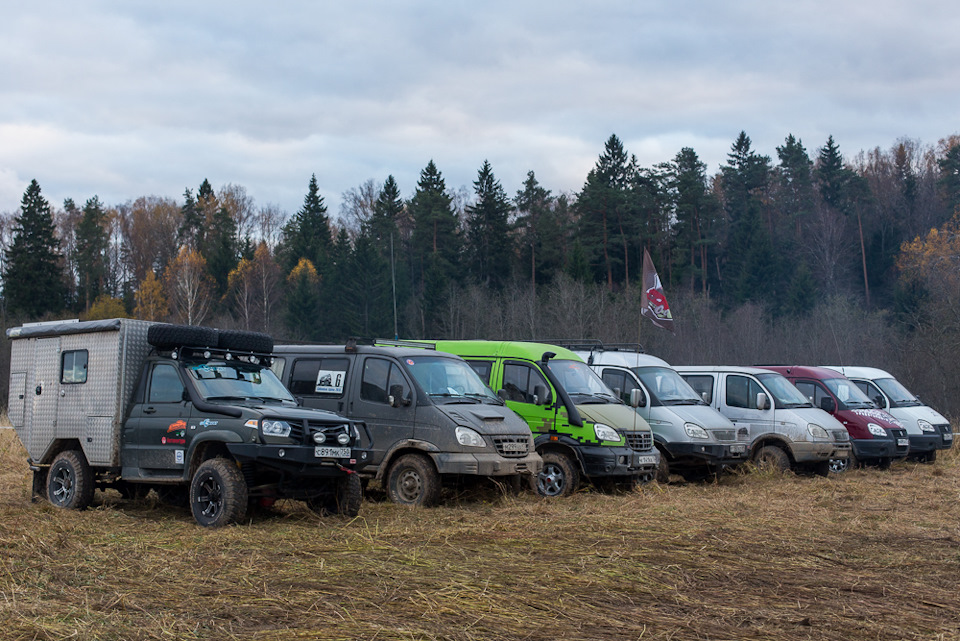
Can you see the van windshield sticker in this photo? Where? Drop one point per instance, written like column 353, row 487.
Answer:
column 330, row 381
column 410, row 361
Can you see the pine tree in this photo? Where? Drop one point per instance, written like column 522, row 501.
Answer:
column 92, row 246
column 307, row 233
column 489, row 250
column 221, row 248
column 696, row 212
column 949, row 181
column 538, row 231
column 34, row 279
column 303, row 301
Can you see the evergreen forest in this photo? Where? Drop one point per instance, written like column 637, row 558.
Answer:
column 796, row 256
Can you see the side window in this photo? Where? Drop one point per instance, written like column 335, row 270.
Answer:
column 617, row 380
column 742, row 392
column 702, row 384
column 73, row 366
column 378, row 375
column 520, row 380
column 483, row 369
column 872, row 392
column 812, row 391
column 165, row 384
column 311, row 376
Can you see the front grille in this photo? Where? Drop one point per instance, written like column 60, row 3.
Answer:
column 724, row 435
column 640, row 441
column 840, row 436
column 329, row 430
column 512, row 446
column 898, row 433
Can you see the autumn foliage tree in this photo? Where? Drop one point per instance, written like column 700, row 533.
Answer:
column 189, row 287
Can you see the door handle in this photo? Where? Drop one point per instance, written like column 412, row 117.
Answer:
column 149, row 410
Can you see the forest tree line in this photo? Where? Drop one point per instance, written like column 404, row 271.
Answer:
column 855, row 258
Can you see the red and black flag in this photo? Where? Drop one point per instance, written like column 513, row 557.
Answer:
column 655, row 306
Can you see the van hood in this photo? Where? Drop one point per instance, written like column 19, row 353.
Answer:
column 910, row 415
column 486, row 419
column 804, row 415
column 876, row 416
column 621, row 417
column 703, row 415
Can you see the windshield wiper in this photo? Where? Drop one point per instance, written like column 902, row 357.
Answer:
column 460, row 398
column 226, row 398
column 683, row 401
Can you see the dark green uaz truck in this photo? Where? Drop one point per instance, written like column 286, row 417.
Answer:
column 194, row 413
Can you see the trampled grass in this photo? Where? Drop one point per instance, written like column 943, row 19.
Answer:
column 874, row 554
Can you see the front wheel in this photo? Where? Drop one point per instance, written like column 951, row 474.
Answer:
column 345, row 499
column 559, row 476
column 771, row 457
column 70, row 481
column 218, row 493
column 663, row 469
column 413, row 481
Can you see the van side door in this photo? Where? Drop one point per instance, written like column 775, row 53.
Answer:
column 739, row 402
column 321, row 381
column 519, row 380
column 626, row 381
column 370, row 402
column 161, row 435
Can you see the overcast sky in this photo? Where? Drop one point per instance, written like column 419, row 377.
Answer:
column 126, row 99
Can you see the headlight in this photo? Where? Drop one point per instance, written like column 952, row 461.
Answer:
column 695, row 431
column 925, row 426
column 876, row 430
column 275, row 428
column 606, row 433
column 343, row 438
column 817, row 432
column 466, row 436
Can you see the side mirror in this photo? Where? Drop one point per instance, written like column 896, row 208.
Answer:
column 502, row 393
column 827, row 404
column 763, row 403
column 396, row 396
column 881, row 403
column 706, row 397
column 539, row 395
column 636, row 397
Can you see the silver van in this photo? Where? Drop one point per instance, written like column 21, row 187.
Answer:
column 783, row 428
column 694, row 439
column 927, row 429
column 431, row 417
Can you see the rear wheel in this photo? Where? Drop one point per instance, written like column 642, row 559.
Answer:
column 559, row 476
column 70, row 481
column 413, row 481
column 839, row 465
column 218, row 493
column 771, row 457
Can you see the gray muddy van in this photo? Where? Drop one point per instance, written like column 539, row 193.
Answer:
column 430, row 416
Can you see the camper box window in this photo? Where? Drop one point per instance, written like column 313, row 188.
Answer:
column 73, row 366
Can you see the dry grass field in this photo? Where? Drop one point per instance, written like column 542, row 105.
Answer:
column 871, row 555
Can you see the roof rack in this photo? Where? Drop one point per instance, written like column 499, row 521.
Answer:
column 390, row 342
column 594, row 345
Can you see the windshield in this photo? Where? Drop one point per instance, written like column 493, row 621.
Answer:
column 449, row 378
column 237, row 381
column 897, row 393
column 667, row 386
column 848, row 393
column 784, row 393
column 581, row 382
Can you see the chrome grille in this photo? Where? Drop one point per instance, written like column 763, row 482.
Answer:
column 640, row 441
column 512, row 446
column 841, row 436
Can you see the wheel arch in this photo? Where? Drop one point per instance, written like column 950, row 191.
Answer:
column 773, row 440
column 407, row 446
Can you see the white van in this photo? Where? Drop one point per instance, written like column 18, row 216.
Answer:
column 927, row 429
column 782, row 426
column 694, row 440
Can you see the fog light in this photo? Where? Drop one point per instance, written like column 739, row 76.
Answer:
column 319, row 437
column 281, row 453
column 343, row 438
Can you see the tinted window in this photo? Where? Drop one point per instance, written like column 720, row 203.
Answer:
column 73, row 366
column 165, row 385
column 520, row 381
column 325, row 376
column 379, row 375
column 813, row 391
column 618, row 380
column 483, row 369
column 702, row 384
column 742, row 392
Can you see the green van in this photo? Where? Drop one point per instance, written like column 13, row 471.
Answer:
column 581, row 429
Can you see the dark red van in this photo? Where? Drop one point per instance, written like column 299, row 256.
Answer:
column 877, row 437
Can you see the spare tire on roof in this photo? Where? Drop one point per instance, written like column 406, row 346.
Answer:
column 241, row 341
column 166, row 336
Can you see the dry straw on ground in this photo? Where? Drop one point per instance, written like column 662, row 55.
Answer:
column 871, row 555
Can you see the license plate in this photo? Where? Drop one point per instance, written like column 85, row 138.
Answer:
column 646, row 460
column 903, row 442
column 738, row 449
column 332, row 452
column 948, row 437
column 515, row 448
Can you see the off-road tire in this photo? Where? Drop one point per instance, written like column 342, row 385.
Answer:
column 218, row 493
column 345, row 499
column 70, row 481
column 166, row 336
column 663, row 469
column 559, row 476
column 242, row 341
column 771, row 457
column 413, row 481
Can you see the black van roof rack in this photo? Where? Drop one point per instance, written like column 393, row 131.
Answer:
column 594, row 345
column 393, row 342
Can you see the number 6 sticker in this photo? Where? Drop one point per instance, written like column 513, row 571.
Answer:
column 330, row 381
